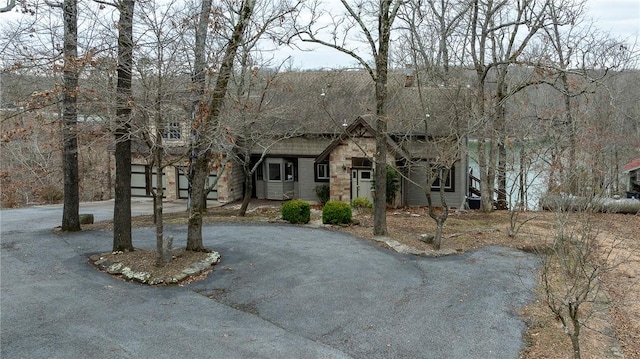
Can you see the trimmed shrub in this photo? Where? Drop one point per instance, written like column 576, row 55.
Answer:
column 323, row 193
column 361, row 203
column 336, row 212
column 296, row 211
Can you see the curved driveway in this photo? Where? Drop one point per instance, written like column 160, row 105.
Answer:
column 279, row 292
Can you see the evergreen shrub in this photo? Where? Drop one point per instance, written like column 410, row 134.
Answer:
column 336, row 212
column 296, row 211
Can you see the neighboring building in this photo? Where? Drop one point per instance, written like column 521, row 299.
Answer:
column 318, row 128
column 632, row 171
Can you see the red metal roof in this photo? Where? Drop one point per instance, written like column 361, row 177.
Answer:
column 635, row 164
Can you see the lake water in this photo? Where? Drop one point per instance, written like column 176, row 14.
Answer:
column 536, row 175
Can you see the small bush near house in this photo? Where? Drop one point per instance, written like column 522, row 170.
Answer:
column 361, row 203
column 336, row 212
column 322, row 191
column 296, row 211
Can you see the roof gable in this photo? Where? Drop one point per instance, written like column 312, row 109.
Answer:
column 357, row 129
column 633, row 165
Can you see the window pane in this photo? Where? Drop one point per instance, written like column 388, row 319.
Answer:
column 172, row 130
column 361, row 162
column 259, row 172
column 323, row 170
column 288, row 171
column 365, row 175
column 274, row 172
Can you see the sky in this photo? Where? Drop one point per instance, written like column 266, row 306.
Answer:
column 619, row 17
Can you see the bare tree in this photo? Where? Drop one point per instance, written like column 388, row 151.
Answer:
column 213, row 142
column 35, row 69
column 160, row 70
column 208, row 123
column 499, row 34
column 122, row 205
column 70, row 212
column 10, row 5
column 572, row 272
column 373, row 23
column 258, row 120
column 576, row 58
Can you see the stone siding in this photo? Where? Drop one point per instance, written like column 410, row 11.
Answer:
column 340, row 158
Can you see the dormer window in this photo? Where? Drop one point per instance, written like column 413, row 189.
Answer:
column 172, row 131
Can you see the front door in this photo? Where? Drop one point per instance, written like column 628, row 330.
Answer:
column 361, row 182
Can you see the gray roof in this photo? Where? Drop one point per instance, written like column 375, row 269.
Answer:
column 321, row 102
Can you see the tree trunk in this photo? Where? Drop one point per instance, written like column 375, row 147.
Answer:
column 437, row 240
column 575, row 335
column 380, row 201
column 385, row 21
column 71, row 210
column 122, row 206
column 248, row 189
column 162, row 249
column 486, row 190
column 199, row 81
column 198, row 197
column 502, row 175
column 210, row 124
column 158, row 209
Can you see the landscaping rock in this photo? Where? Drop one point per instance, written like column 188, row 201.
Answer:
column 86, row 218
column 427, row 238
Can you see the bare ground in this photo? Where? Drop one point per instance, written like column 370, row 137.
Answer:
column 613, row 332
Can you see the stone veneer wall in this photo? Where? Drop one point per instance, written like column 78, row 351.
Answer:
column 340, row 181
column 171, row 191
column 230, row 184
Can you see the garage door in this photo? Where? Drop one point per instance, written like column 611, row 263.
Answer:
column 143, row 181
column 183, row 183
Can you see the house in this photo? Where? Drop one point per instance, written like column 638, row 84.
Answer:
column 632, row 171
column 318, row 128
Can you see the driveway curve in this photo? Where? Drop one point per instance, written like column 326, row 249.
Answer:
column 279, row 292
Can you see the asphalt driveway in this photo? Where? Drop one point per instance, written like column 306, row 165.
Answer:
column 279, row 292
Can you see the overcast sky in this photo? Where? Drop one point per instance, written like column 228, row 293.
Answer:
column 620, row 17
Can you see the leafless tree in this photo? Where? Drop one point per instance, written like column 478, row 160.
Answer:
column 122, row 205
column 499, row 34
column 575, row 61
column 572, row 271
column 32, row 52
column 208, row 122
column 163, row 88
column 257, row 119
column 372, row 22
column 70, row 212
column 252, row 22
